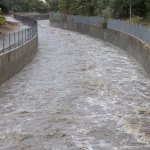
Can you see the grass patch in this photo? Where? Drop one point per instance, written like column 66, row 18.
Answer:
column 139, row 20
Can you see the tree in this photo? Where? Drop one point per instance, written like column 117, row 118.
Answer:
column 139, row 7
column 4, row 5
column 120, row 8
column 147, row 3
column 102, row 5
column 114, row 8
column 73, row 8
column 53, row 4
column 2, row 18
column 64, row 6
column 25, row 5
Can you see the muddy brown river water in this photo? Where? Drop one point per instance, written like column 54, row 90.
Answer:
column 78, row 93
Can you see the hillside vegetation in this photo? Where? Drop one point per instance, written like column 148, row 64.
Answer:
column 110, row 8
column 118, row 9
column 25, row 5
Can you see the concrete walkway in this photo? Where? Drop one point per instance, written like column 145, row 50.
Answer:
column 12, row 26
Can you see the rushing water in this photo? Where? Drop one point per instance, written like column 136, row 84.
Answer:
column 79, row 93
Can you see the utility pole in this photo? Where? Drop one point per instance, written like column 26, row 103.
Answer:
column 130, row 12
column 9, row 5
column 30, row 5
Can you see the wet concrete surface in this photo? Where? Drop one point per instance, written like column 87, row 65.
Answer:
column 79, row 93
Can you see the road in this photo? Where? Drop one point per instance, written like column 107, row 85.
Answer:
column 78, row 93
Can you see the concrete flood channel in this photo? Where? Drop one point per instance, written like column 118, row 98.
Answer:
column 78, row 93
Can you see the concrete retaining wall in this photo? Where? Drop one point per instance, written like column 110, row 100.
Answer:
column 13, row 61
column 38, row 16
column 134, row 46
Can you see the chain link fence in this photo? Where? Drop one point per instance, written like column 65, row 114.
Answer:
column 13, row 40
column 136, row 30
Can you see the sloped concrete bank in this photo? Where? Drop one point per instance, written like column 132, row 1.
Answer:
column 132, row 45
column 40, row 16
column 12, row 62
column 37, row 16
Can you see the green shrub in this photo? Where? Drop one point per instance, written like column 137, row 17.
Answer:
column 107, row 13
column 2, row 18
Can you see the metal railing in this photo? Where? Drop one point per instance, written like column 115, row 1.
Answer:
column 81, row 19
column 85, row 19
column 15, row 39
column 136, row 30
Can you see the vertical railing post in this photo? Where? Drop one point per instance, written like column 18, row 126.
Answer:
column 18, row 38
column 32, row 31
column 25, row 35
column 3, row 43
column 29, row 33
column 15, row 39
column 9, row 42
column 22, row 36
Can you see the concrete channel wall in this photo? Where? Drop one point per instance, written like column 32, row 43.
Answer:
column 40, row 16
column 37, row 16
column 12, row 62
column 132, row 45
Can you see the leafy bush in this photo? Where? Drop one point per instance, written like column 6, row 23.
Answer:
column 2, row 18
column 107, row 13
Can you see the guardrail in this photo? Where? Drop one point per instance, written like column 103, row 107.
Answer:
column 13, row 40
column 136, row 30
